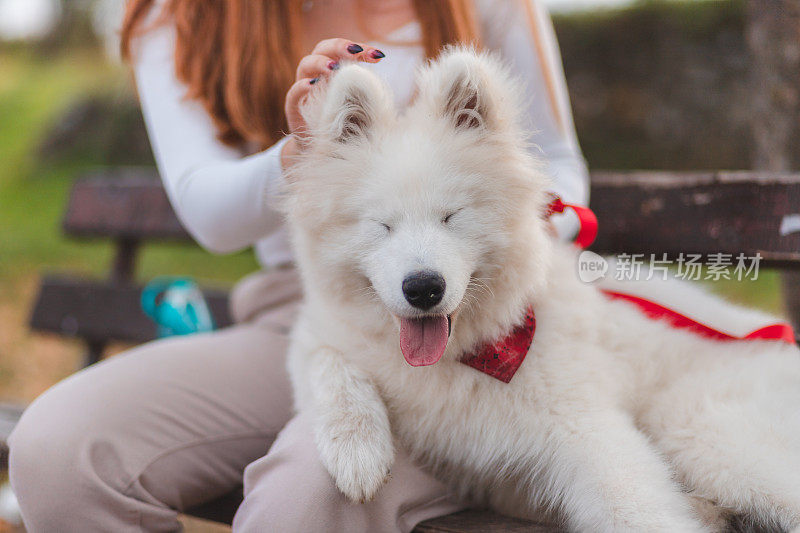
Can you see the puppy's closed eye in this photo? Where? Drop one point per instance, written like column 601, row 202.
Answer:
column 449, row 215
column 386, row 227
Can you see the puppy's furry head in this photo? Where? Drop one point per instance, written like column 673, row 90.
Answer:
column 428, row 216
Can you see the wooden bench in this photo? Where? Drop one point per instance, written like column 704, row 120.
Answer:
column 129, row 207
column 639, row 212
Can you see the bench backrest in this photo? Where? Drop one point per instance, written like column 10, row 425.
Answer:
column 700, row 213
column 639, row 212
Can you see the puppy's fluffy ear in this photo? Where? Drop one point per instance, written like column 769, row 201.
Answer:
column 350, row 107
column 472, row 90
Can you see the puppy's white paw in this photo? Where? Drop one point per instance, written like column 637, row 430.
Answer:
column 358, row 458
column 359, row 471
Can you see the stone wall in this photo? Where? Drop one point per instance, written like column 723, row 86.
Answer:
column 661, row 85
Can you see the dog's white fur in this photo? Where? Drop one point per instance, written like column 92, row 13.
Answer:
column 612, row 419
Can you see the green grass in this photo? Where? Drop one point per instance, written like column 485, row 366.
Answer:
column 764, row 293
column 34, row 90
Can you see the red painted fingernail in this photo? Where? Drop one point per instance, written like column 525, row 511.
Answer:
column 333, row 65
column 377, row 54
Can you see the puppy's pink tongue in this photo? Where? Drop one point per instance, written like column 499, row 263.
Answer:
column 423, row 340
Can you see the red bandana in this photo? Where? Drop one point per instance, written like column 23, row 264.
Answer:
column 502, row 359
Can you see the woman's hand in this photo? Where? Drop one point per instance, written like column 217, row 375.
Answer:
column 322, row 60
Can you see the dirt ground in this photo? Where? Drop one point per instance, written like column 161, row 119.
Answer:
column 29, row 362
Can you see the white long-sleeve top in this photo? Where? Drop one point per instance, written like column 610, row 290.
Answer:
column 226, row 199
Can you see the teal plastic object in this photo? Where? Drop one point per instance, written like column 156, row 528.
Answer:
column 177, row 306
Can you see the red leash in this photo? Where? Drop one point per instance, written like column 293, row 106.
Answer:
column 777, row 332
column 586, row 236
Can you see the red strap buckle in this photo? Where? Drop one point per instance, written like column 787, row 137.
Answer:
column 586, row 217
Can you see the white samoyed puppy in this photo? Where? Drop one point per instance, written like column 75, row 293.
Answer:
column 420, row 237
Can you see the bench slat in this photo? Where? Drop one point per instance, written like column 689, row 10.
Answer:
column 469, row 521
column 639, row 212
column 480, row 521
column 122, row 204
column 702, row 213
column 99, row 310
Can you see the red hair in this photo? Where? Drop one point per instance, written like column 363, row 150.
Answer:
column 232, row 54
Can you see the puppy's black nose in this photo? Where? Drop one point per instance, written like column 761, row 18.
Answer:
column 423, row 289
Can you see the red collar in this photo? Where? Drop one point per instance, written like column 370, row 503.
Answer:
column 502, row 359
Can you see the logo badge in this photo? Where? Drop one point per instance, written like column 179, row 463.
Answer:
column 591, row 267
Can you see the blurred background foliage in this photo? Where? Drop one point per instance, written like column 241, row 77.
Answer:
column 660, row 85
column 655, row 85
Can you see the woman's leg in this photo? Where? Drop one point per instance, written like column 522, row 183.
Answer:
column 121, row 445
column 124, row 444
column 290, row 490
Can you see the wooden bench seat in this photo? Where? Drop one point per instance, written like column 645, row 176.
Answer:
column 99, row 310
column 639, row 212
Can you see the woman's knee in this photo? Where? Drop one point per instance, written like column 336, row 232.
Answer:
column 75, row 457
column 126, row 440
column 45, row 449
column 76, row 444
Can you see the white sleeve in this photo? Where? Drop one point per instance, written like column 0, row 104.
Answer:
column 521, row 31
column 225, row 200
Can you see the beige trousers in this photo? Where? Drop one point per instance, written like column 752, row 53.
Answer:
column 125, row 444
